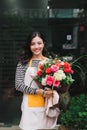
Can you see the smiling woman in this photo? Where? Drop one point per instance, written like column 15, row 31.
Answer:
column 33, row 104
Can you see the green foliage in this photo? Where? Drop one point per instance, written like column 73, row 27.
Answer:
column 80, row 70
column 76, row 115
column 68, row 80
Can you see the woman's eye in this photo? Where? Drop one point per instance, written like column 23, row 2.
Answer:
column 32, row 43
column 39, row 43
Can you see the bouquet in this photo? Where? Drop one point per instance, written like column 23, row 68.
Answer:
column 54, row 73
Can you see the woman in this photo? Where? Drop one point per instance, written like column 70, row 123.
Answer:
column 33, row 104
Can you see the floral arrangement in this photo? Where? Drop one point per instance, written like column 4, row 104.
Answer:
column 54, row 73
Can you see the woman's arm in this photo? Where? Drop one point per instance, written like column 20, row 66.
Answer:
column 20, row 86
column 19, row 80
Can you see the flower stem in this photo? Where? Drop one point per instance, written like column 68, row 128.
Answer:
column 52, row 88
column 31, row 82
column 78, row 59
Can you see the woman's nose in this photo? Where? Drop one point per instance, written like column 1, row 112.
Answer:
column 36, row 45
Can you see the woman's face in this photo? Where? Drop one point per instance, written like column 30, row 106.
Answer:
column 37, row 46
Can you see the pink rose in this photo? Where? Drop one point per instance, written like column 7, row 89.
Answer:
column 56, row 83
column 49, row 80
column 54, row 68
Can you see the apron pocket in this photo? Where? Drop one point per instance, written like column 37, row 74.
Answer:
column 35, row 101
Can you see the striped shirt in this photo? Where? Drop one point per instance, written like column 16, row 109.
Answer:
column 20, row 75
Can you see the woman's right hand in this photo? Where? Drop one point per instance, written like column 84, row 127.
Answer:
column 40, row 91
column 46, row 93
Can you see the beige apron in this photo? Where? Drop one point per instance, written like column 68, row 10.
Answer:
column 33, row 115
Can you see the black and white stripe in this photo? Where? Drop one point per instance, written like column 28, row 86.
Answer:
column 19, row 80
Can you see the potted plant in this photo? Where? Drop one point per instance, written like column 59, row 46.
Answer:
column 76, row 116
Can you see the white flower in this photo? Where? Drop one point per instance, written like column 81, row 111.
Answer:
column 62, row 63
column 43, row 62
column 59, row 75
column 43, row 81
column 60, row 71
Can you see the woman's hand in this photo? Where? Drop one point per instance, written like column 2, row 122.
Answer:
column 46, row 93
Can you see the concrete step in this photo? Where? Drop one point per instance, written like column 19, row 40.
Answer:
column 17, row 128
column 10, row 128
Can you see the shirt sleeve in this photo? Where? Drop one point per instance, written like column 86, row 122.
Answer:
column 19, row 80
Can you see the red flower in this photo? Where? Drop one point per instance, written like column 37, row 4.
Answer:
column 66, row 65
column 39, row 73
column 40, row 67
column 59, row 65
column 48, row 71
column 68, row 70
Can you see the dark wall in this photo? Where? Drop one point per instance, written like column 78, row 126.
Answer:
column 13, row 33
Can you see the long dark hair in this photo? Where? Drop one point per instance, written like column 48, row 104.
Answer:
column 26, row 54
